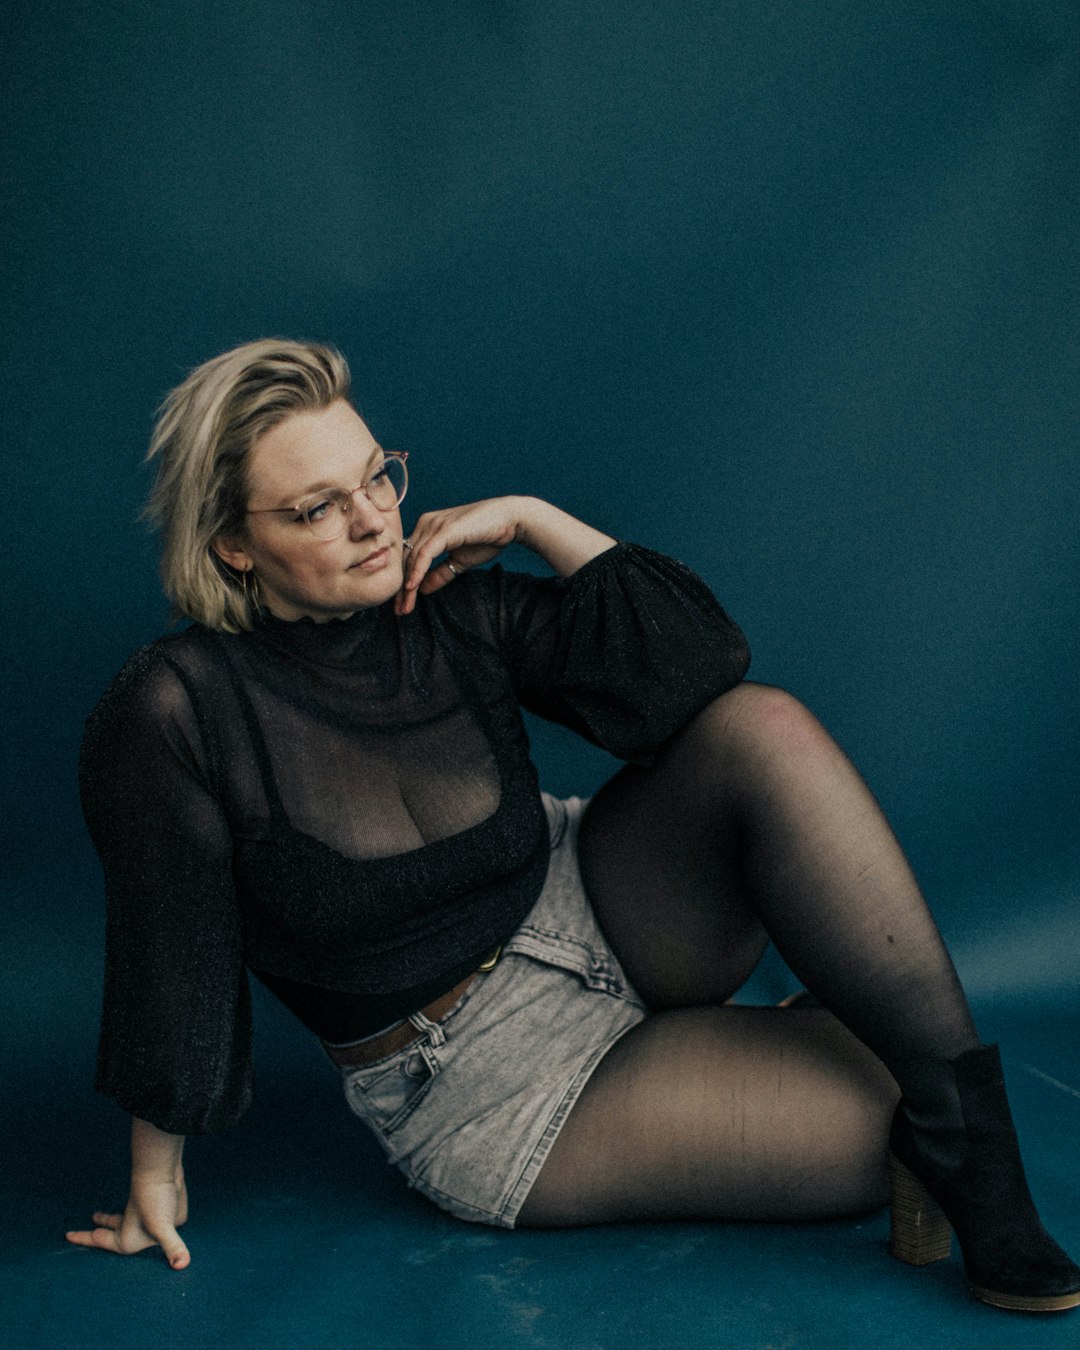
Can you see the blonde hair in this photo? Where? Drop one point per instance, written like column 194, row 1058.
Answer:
column 202, row 438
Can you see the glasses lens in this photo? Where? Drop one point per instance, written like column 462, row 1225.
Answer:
column 387, row 487
column 325, row 514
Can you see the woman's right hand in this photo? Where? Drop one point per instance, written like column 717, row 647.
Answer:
column 156, row 1208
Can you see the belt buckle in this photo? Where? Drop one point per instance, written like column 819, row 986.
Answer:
column 491, row 962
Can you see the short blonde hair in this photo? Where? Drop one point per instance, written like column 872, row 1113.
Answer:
column 202, row 438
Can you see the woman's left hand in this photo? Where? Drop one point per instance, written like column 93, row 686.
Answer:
column 469, row 536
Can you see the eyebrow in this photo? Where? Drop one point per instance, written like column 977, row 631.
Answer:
column 321, row 487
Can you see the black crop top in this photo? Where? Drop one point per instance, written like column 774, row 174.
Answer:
column 348, row 809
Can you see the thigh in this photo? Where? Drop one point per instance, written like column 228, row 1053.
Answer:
column 661, row 859
column 723, row 1113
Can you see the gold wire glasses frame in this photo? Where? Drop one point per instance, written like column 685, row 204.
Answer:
column 326, row 513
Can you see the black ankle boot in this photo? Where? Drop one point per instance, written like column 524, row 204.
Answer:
column 975, row 1176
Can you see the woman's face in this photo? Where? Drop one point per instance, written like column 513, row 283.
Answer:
column 298, row 574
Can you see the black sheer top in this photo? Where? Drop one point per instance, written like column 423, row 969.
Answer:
column 348, row 809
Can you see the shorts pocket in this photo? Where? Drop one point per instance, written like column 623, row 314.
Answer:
column 385, row 1095
column 591, row 964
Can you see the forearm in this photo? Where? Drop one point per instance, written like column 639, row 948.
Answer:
column 154, row 1153
column 564, row 542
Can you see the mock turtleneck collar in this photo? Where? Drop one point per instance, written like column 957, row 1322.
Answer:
column 364, row 638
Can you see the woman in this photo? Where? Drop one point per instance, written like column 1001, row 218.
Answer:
column 325, row 780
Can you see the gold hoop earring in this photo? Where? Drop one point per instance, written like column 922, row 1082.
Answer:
column 250, row 583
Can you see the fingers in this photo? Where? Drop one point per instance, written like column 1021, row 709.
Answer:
column 106, row 1224
column 423, row 576
column 442, row 574
column 427, row 576
column 468, row 535
column 176, row 1253
column 106, row 1239
column 90, row 1238
column 425, row 547
column 110, row 1236
column 433, row 580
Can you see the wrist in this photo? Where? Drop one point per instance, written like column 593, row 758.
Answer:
column 564, row 542
column 531, row 514
column 155, row 1154
column 153, row 1177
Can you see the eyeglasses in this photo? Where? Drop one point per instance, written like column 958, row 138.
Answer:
column 326, row 514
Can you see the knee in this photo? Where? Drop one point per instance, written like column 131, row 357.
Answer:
column 756, row 716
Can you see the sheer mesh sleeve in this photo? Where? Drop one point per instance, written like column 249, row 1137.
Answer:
column 624, row 651
column 176, row 1026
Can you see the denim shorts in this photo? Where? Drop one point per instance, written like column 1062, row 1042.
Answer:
column 470, row 1110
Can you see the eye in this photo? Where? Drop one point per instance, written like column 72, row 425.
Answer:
column 379, row 478
column 316, row 511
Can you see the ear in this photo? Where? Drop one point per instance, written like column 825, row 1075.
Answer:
column 230, row 551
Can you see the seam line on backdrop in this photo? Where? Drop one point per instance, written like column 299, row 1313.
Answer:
column 1055, row 1082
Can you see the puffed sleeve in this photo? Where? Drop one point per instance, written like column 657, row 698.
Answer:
column 624, row 651
column 176, row 1025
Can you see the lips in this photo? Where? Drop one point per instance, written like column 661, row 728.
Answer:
column 373, row 560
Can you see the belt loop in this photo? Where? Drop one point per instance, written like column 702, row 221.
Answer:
column 435, row 1034
column 555, row 810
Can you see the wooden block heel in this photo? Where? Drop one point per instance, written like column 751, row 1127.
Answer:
column 920, row 1231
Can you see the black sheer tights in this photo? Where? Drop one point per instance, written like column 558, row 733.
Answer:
column 752, row 825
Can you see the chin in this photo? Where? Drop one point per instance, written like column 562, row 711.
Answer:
column 378, row 590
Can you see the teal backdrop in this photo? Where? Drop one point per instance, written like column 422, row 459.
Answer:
column 788, row 291
column 786, row 288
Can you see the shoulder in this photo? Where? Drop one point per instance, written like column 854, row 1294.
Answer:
column 156, row 716
column 154, row 687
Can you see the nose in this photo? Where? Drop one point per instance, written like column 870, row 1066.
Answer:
column 364, row 518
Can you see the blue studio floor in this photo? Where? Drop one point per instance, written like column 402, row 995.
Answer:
column 302, row 1236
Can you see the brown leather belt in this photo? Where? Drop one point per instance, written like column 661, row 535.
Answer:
column 398, row 1037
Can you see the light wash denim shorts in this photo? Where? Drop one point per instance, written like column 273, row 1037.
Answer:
column 470, row 1110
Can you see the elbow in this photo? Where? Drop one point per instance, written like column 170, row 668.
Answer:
column 738, row 658
column 743, row 659
column 729, row 648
